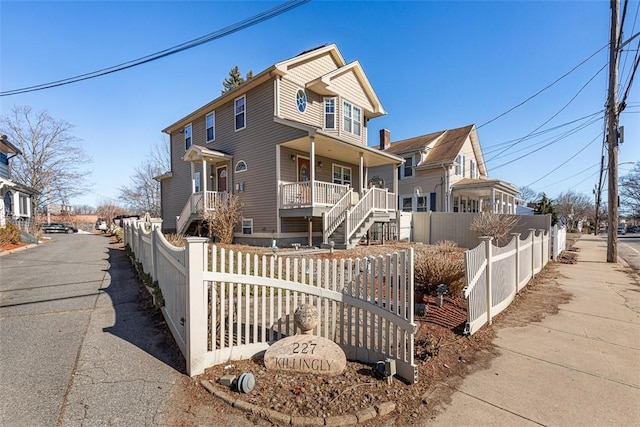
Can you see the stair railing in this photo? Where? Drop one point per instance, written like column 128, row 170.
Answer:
column 332, row 219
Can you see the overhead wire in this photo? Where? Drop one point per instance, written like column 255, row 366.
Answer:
column 553, row 116
column 233, row 28
column 566, row 161
column 544, row 88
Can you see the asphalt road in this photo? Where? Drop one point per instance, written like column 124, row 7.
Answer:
column 71, row 334
column 629, row 249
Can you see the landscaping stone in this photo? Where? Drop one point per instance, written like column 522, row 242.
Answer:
column 227, row 380
column 341, row 420
column 275, row 416
column 366, row 414
column 306, row 353
column 246, row 406
column 385, row 408
column 307, row 421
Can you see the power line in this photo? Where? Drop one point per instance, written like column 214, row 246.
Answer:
column 541, row 132
column 574, row 175
column 566, row 161
column 246, row 23
column 558, row 139
column 552, row 117
column 543, row 89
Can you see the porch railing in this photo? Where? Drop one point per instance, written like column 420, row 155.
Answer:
column 375, row 199
column 298, row 194
column 196, row 203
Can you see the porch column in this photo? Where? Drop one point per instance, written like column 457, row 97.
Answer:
column 312, row 166
column 204, row 178
column 501, row 203
column 278, row 191
column 363, row 186
column 492, row 198
column 193, row 189
column 394, row 173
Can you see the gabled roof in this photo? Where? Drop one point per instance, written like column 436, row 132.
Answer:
column 7, row 147
column 281, row 68
column 446, row 146
column 323, row 85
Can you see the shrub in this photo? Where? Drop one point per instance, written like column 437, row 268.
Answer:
column 175, row 239
column 441, row 264
column 494, row 225
column 223, row 218
column 10, row 234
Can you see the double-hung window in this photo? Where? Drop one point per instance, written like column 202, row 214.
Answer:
column 460, row 165
column 351, row 118
column 240, row 113
column 341, row 175
column 329, row 113
column 407, row 168
column 187, row 137
column 211, row 126
column 472, row 169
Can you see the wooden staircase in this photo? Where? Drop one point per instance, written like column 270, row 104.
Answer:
column 347, row 223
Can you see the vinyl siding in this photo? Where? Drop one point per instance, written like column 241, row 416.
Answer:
column 311, row 69
column 289, row 171
column 348, row 86
column 467, row 152
column 314, row 115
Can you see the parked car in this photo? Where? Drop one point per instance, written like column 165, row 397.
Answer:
column 622, row 229
column 633, row 229
column 55, row 227
column 101, row 225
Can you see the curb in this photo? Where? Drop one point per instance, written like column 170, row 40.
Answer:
column 20, row 249
column 362, row 416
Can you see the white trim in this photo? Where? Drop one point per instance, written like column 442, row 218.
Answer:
column 235, row 168
column 276, row 96
column 235, row 115
column 278, row 193
column 213, row 126
column 351, row 109
column 227, row 177
column 335, row 113
column 306, row 100
column 243, row 226
column 333, row 165
column 190, row 126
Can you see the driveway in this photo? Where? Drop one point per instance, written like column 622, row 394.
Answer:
column 77, row 345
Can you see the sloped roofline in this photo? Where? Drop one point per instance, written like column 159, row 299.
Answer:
column 324, row 83
column 279, row 68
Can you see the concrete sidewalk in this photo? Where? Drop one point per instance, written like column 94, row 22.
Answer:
column 578, row 367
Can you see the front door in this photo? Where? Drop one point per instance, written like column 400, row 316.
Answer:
column 304, row 173
column 221, row 175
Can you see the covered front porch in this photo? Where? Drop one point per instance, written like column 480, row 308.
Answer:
column 478, row 195
column 326, row 178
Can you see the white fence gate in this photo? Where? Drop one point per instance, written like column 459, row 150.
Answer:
column 493, row 275
column 225, row 305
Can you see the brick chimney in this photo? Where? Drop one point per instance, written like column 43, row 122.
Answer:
column 385, row 139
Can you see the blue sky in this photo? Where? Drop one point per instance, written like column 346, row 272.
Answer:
column 434, row 65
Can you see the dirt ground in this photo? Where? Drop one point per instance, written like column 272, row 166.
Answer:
column 443, row 354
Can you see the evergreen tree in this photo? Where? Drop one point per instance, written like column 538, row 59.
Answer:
column 235, row 79
column 545, row 206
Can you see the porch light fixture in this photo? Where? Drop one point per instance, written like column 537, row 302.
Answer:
column 320, row 164
column 293, row 157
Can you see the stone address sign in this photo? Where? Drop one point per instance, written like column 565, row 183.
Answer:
column 305, row 352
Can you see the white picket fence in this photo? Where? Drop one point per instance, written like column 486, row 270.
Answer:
column 558, row 241
column 494, row 275
column 225, row 305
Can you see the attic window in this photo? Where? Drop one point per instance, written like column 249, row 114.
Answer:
column 241, row 166
column 301, row 100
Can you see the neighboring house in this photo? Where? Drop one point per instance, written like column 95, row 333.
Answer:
column 291, row 143
column 15, row 200
column 445, row 172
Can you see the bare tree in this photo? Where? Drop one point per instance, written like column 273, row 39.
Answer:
column 143, row 193
column 630, row 191
column 225, row 214
column 495, row 225
column 528, row 195
column 108, row 210
column 84, row 209
column 574, row 207
column 51, row 157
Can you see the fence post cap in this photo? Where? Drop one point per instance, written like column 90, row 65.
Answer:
column 514, row 234
column 486, row 238
column 196, row 239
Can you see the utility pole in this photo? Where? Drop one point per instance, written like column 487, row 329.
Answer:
column 612, row 134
